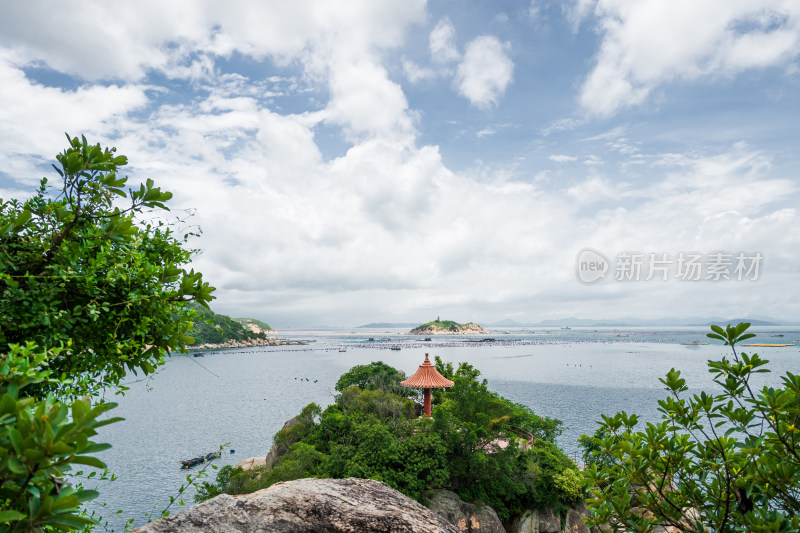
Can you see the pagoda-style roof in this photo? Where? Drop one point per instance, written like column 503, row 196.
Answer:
column 427, row 377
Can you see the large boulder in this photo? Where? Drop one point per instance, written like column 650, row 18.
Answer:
column 574, row 520
column 251, row 463
column 321, row 505
column 547, row 521
column 465, row 516
column 537, row 522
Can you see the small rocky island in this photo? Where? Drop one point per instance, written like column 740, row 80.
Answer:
column 447, row 327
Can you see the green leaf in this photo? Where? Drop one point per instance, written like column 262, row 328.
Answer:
column 8, row 516
column 88, row 460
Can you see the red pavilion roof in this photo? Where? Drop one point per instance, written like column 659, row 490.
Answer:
column 427, row 377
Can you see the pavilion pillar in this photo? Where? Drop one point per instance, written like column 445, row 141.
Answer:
column 426, row 402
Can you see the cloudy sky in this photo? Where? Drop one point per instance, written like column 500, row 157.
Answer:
column 361, row 161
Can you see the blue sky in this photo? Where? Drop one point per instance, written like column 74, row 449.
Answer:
column 361, row 161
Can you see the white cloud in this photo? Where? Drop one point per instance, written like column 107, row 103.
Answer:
column 648, row 43
column 416, row 73
column 442, row 42
column 560, row 158
column 383, row 229
column 34, row 117
column 485, row 71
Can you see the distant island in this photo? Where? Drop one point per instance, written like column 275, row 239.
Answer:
column 635, row 322
column 447, row 327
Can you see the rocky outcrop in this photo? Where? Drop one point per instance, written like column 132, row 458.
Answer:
column 279, row 449
column 325, row 505
column 465, row 516
column 249, row 343
column 548, row 522
column 276, row 451
column 251, row 463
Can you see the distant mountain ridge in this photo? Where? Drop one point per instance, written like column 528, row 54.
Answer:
column 636, row 322
column 389, row 325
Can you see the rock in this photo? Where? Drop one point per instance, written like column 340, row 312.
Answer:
column 465, row 516
column 574, row 522
column 325, row 505
column 253, row 462
column 250, row 343
column 278, row 450
column 537, row 522
column 549, row 522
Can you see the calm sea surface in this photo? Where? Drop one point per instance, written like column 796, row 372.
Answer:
column 242, row 397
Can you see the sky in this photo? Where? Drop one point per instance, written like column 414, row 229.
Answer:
column 358, row 161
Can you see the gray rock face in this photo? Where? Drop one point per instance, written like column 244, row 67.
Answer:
column 465, row 516
column 537, row 522
column 276, row 451
column 549, row 522
column 308, row 505
column 574, row 522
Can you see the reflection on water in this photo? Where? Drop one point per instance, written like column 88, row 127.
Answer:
column 242, row 397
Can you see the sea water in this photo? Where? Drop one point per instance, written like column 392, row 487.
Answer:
column 241, row 397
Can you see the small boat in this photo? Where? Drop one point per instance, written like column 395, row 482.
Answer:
column 198, row 354
column 395, row 348
column 427, row 339
column 198, row 460
column 342, row 349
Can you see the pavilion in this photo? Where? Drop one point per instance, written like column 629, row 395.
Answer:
column 426, row 378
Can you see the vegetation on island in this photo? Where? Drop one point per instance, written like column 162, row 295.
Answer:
column 212, row 328
column 721, row 462
column 445, row 326
column 254, row 322
column 373, row 430
column 90, row 290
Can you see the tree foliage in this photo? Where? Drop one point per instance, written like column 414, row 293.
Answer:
column 80, row 268
column 719, row 462
column 88, row 293
column 375, row 375
column 39, row 441
column 372, row 432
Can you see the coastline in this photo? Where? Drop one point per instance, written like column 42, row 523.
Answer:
column 249, row 343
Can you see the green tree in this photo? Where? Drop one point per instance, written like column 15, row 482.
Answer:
column 375, row 375
column 716, row 462
column 80, row 268
column 88, row 293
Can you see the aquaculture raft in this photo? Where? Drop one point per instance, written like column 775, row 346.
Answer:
column 198, row 460
column 769, row 345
